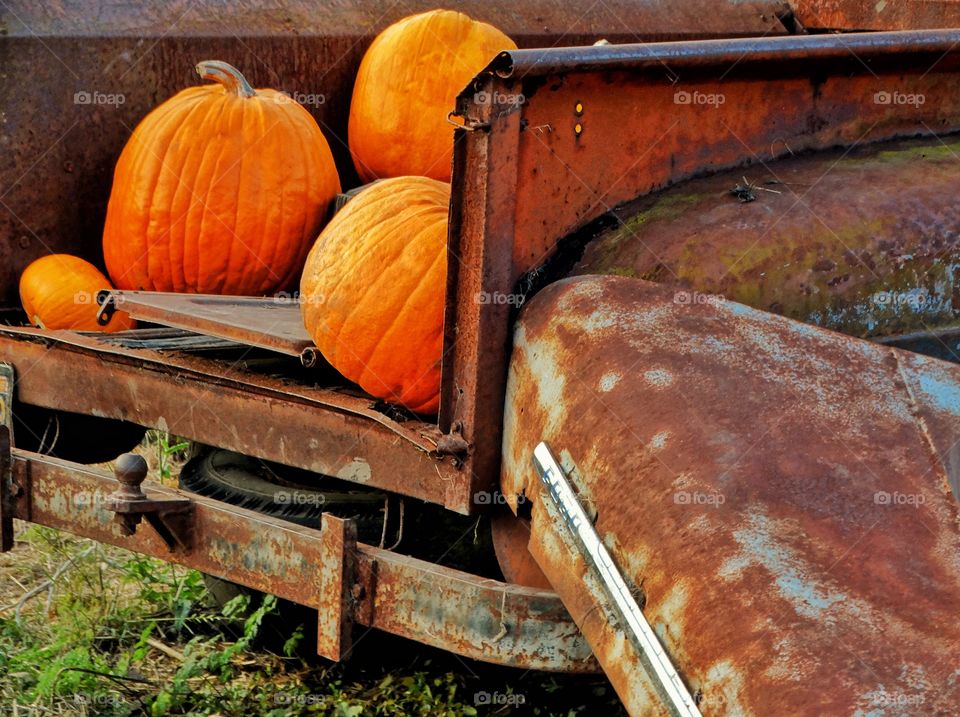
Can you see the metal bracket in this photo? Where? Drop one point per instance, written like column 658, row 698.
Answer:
column 171, row 518
column 336, row 572
column 468, row 124
column 6, row 491
column 7, row 381
column 107, row 306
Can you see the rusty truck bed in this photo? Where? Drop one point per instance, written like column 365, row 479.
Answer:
column 596, row 126
column 524, row 175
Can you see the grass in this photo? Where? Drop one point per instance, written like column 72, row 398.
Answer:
column 89, row 629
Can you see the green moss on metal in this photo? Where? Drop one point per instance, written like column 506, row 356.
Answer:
column 803, row 269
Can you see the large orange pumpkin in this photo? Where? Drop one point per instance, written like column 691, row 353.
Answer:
column 372, row 291
column 59, row 291
column 407, row 85
column 221, row 189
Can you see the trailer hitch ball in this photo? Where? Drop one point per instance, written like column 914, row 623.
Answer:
column 169, row 516
column 130, row 471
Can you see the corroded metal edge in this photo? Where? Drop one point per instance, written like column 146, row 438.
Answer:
column 479, row 618
column 220, row 404
column 778, row 495
column 685, row 55
column 547, row 147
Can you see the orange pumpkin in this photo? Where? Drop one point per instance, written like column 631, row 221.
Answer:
column 59, row 291
column 407, row 85
column 372, row 291
column 221, row 190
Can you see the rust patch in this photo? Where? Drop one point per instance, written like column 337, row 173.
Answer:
column 862, row 242
column 875, row 15
column 325, row 569
column 780, row 504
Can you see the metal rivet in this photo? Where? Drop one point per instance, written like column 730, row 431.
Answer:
column 578, row 108
column 578, row 128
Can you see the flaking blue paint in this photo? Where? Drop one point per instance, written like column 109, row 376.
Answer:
column 942, row 392
column 760, row 546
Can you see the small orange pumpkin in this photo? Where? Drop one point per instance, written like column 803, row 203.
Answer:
column 221, row 190
column 407, row 85
column 372, row 292
column 59, row 291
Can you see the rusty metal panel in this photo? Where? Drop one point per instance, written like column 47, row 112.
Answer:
column 221, row 404
column 880, row 15
column 479, row 260
column 80, row 75
column 935, row 399
column 538, row 22
column 681, row 109
column 778, row 494
column 430, row 603
column 510, row 538
column 272, row 323
column 480, row 616
column 336, row 569
column 860, row 241
column 554, row 138
column 6, row 491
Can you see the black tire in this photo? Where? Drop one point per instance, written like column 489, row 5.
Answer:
column 253, row 484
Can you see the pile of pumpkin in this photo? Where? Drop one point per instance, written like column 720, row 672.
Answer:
column 224, row 189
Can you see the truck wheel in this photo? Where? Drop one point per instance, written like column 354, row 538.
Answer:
column 253, row 484
column 296, row 496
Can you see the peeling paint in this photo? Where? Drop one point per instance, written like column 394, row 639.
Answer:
column 659, row 377
column 357, row 470
column 659, row 440
column 609, row 380
column 783, row 479
column 795, row 580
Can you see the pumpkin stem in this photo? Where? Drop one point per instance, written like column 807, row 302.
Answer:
column 227, row 75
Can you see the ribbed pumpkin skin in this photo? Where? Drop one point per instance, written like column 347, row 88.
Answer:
column 59, row 291
column 218, row 193
column 407, row 85
column 372, row 292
